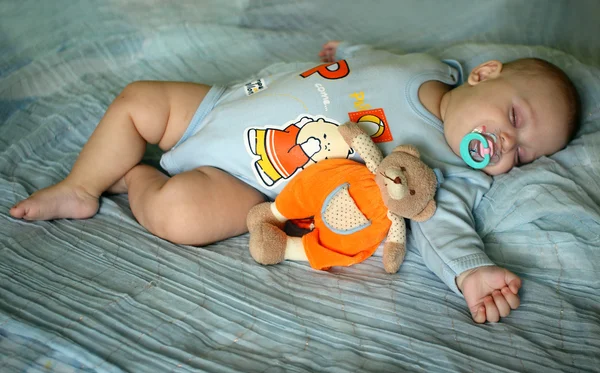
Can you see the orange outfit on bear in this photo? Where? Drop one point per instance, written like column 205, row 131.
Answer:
column 350, row 218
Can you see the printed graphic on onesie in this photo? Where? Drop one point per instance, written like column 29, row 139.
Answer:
column 280, row 151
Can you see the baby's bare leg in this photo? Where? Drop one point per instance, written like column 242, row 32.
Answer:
column 145, row 112
column 197, row 207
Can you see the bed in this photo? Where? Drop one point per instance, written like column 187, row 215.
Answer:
column 104, row 295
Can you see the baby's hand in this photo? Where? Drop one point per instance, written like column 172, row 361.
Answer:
column 490, row 292
column 327, row 53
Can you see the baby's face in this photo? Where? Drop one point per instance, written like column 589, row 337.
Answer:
column 529, row 115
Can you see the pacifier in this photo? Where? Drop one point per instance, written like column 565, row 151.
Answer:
column 479, row 149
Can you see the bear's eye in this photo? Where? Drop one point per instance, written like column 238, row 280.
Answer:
column 403, row 169
column 412, row 192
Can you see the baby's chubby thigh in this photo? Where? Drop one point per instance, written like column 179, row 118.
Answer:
column 212, row 187
column 246, row 147
column 197, row 207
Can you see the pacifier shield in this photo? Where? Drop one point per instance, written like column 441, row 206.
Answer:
column 475, row 150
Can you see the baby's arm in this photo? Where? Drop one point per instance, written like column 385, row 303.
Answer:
column 452, row 249
column 491, row 292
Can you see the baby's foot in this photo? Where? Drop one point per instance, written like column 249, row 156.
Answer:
column 491, row 292
column 55, row 202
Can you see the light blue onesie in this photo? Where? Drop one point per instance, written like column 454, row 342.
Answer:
column 267, row 129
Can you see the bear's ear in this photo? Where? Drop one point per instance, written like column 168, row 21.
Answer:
column 410, row 149
column 427, row 212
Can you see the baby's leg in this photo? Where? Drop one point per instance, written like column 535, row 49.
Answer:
column 197, row 207
column 145, row 112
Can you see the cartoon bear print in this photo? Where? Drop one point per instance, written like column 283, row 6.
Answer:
column 280, row 152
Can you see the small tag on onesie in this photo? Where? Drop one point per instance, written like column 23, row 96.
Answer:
column 255, row 86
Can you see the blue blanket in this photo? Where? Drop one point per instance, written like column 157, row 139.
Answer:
column 104, row 295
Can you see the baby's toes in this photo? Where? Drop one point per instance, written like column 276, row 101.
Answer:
column 17, row 211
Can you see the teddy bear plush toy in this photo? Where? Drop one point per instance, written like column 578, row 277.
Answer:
column 353, row 207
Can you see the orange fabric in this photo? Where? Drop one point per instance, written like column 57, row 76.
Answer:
column 285, row 155
column 303, row 223
column 305, row 195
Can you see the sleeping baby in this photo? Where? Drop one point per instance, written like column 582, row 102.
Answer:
column 228, row 148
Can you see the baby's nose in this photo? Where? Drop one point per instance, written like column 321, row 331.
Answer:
column 508, row 141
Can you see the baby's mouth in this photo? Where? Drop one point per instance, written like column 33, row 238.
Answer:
column 480, row 148
column 478, row 151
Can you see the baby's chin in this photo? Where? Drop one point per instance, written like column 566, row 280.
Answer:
column 495, row 170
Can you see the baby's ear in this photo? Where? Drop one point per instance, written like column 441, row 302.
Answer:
column 487, row 70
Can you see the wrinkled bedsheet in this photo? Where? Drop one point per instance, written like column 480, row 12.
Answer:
column 104, row 295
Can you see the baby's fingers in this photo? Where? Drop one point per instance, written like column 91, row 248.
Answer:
column 324, row 52
column 501, row 303
column 332, row 44
column 327, row 56
column 491, row 310
column 479, row 314
column 512, row 299
column 513, row 281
